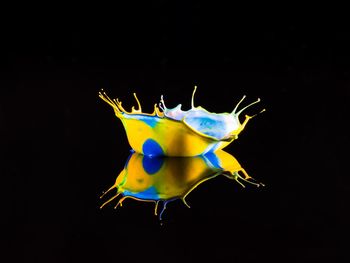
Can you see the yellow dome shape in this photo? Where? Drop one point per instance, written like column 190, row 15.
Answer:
column 174, row 132
column 165, row 179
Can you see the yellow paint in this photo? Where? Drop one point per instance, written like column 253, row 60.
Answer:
column 170, row 178
column 175, row 131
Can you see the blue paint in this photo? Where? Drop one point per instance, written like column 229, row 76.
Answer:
column 149, row 194
column 213, row 159
column 151, row 148
column 151, row 165
column 149, row 120
column 208, row 126
column 212, row 147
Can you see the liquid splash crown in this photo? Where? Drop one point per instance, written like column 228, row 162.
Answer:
column 175, row 132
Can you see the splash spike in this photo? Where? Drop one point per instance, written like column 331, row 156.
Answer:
column 105, row 192
column 192, row 99
column 242, row 99
column 156, row 208
column 120, row 202
column 111, row 199
column 138, row 103
column 263, row 110
column 249, row 105
column 185, row 202
column 163, row 209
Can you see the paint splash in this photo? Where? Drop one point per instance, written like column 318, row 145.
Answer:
column 162, row 180
column 174, row 132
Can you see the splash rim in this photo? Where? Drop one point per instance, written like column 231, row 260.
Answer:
column 120, row 112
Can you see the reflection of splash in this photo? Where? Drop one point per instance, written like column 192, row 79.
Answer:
column 174, row 132
column 165, row 179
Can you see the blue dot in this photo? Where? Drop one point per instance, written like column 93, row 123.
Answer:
column 152, row 148
column 152, row 164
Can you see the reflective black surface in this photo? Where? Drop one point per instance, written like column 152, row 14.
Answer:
column 61, row 146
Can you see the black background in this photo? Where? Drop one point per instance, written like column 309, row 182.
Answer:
column 61, row 145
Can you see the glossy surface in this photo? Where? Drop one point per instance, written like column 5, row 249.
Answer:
column 165, row 179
